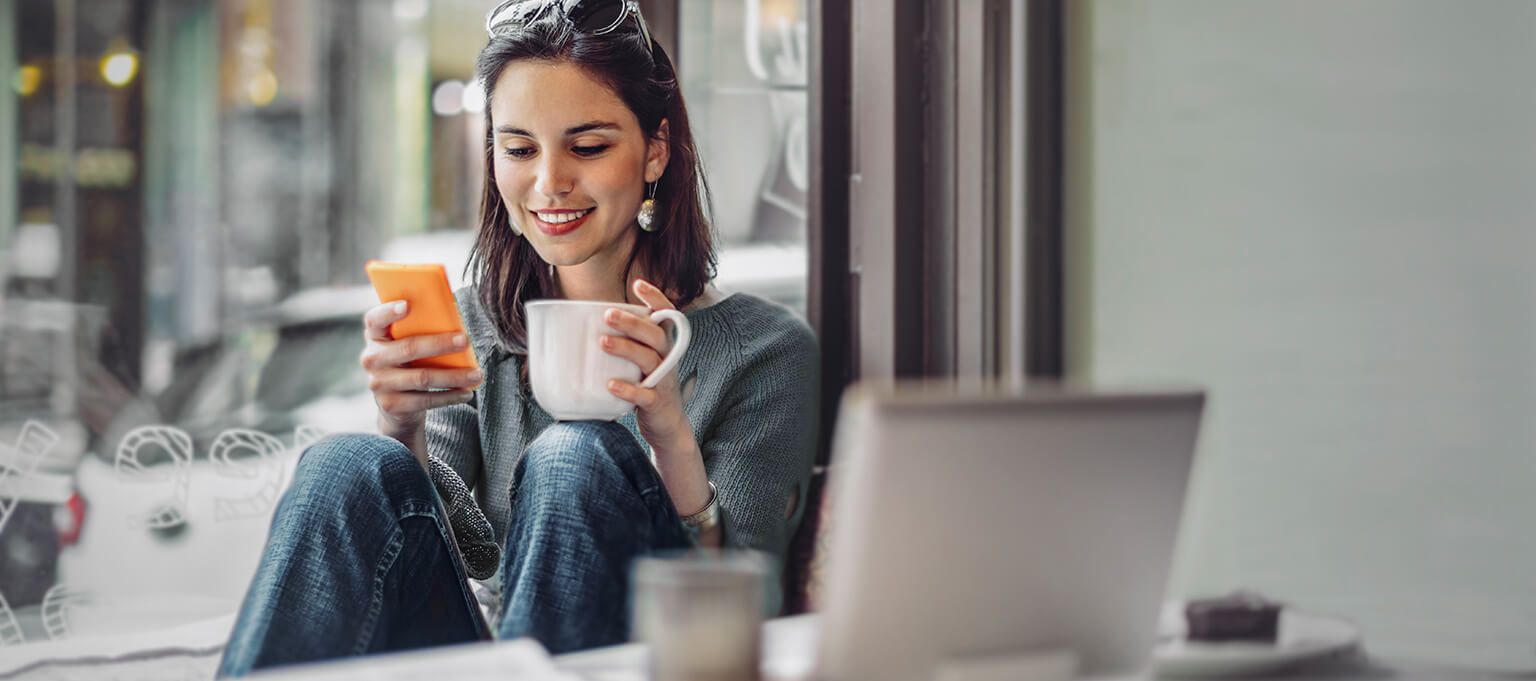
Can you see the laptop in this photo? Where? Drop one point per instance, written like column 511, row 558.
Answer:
column 981, row 525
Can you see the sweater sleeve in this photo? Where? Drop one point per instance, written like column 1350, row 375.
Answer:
column 454, row 462
column 453, row 436
column 453, row 432
column 761, row 453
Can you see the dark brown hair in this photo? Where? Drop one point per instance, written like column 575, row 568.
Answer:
column 679, row 257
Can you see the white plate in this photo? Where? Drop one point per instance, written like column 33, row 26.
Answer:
column 1303, row 637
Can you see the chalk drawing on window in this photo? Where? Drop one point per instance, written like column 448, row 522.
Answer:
column 19, row 461
column 57, row 604
column 130, row 464
column 261, row 461
column 10, row 630
column 306, row 435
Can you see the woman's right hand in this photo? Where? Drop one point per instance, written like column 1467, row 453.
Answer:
column 404, row 394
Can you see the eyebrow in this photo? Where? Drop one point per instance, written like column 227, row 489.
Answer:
column 569, row 132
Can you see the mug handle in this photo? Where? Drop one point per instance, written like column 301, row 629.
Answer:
column 679, row 346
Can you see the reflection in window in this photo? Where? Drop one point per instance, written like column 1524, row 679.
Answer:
column 743, row 67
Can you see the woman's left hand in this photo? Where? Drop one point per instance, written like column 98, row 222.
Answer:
column 659, row 410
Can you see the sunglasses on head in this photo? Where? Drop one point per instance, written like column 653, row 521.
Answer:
column 595, row 17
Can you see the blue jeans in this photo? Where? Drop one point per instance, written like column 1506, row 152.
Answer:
column 360, row 559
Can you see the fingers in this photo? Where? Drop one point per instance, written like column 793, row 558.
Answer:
column 651, row 296
column 644, row 356
column 639, row 328
column 388, row 354
column 642, row 398
column 404, row 393
column 377, row 320
column 405, row 405
column 407, row 380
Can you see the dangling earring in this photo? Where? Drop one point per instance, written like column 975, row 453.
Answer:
column 647, row 216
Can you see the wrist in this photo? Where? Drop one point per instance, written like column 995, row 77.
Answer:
column 677, row 444
column 413, row 436
column 706, row 518
column 683, row 474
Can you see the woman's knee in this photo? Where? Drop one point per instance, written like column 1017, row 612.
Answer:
column 578, row 451
column 348, row 465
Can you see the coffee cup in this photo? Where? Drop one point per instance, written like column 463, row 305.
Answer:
column 570, row 370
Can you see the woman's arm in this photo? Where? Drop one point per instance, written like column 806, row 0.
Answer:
column 659, row 411
column 452, row 441
column 452, row 435
column 456, row 462
column 681, row 468
column 761, row 453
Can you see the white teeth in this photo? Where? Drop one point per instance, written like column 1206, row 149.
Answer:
column 557, row 218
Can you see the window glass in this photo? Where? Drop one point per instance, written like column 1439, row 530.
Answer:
column 743, row 68
column 184, row 218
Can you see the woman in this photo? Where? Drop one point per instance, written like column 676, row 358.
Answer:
column 592, row 192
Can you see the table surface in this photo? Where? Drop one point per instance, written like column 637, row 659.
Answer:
column 789, row 646
column 789, row 649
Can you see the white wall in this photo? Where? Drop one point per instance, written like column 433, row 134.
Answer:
column 1326, row 213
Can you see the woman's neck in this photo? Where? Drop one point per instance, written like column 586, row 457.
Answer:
column 574, row 287
column 605, row 275
column 586, row 282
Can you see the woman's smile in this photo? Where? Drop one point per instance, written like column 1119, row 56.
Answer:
column 560, row 222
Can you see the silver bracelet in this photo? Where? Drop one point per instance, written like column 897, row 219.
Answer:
column 708, row 517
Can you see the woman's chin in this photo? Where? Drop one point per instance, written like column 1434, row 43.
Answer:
column 564, row 255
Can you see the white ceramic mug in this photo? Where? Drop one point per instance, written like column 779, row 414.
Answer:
column 570, row 370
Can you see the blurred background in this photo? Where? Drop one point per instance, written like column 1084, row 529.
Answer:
column 1321, row 212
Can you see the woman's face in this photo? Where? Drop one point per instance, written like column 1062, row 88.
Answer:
column 571, row 162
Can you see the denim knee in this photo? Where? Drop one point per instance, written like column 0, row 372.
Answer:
column 579, row 453
column 360, row 466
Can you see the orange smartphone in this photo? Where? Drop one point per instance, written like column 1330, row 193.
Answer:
column 430, row 307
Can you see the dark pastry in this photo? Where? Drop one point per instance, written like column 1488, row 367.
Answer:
column 1239, row 616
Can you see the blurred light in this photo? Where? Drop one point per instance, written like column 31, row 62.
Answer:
column 36, row 251
column 410, row 10
column 27, row 80
column 774, row 11
column 261, row 89
column 474, row 97
column 255, row 43
column 118, row 68
column 448, row 98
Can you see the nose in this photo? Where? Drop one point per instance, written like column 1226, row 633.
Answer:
column 554, row 176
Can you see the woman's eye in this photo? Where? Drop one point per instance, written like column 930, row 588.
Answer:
column 590, row 150
column 519, row 152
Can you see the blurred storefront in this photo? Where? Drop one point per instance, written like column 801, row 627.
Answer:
column 199, row 161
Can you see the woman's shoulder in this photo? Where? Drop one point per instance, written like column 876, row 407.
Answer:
column 755, row 325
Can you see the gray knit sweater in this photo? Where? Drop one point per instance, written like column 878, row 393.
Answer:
column 749, row 383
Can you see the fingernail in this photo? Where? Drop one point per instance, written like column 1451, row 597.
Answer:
column 613, row 386
column 459, row 340
column 400, row 307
